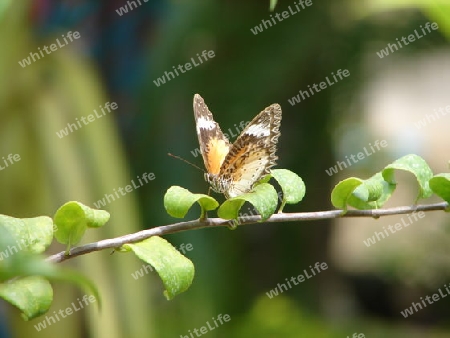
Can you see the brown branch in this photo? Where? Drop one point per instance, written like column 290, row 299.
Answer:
column 217, row 222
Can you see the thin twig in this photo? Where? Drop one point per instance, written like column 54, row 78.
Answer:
column 217, row 222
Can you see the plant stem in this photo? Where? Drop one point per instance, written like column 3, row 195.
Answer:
column 218, row 222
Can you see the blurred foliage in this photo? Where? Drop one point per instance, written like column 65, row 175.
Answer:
column 36, row 102
column 279, row 317
column 248, row 73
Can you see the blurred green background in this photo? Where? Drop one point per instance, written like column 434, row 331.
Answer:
column 118, row 58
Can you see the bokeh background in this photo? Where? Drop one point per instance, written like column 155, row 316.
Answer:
column 117, row 59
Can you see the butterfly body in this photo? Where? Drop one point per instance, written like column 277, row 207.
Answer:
column 232, row 169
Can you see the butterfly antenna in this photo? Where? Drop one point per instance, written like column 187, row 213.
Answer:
column 186, row 161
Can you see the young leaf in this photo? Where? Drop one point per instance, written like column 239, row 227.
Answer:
column 30, row 234
column 343, row 191
column 32, row 295
column 72, row 220
column 175, row 270
column 375, row 191
column 415, row 165
column 372, row 193
column 21, row 242
column 440, row 184
column 29, row 266
column 16, row 257
column 263, row 197
column 291, row 184
column 273, row 3
column 178, row 201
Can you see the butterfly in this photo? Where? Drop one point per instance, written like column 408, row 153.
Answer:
column 233, row 169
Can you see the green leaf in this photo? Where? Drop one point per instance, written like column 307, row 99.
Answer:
column 26, row 264
column 30, row 234
column 415, row 165
column 21, row 241
column 17, row 259
column 362, row 194
column 343, row 191
column 178, row 201
column 72, row 220
column 273, row 3
column 372, row 193
column 440, row 184
column 175, row 270
column 21, row 258
column 438, row 11
column 263, row 197
column 32, row 295
column 291, row 184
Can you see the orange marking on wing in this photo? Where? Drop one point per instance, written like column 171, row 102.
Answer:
column 217, row 150
column 236, row 161
column 238, row 155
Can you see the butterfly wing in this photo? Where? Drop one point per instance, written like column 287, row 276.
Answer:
column 214, row 146
column 253, row 153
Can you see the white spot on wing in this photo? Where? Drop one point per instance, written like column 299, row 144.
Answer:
column 203, row 123
column 257, row 130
